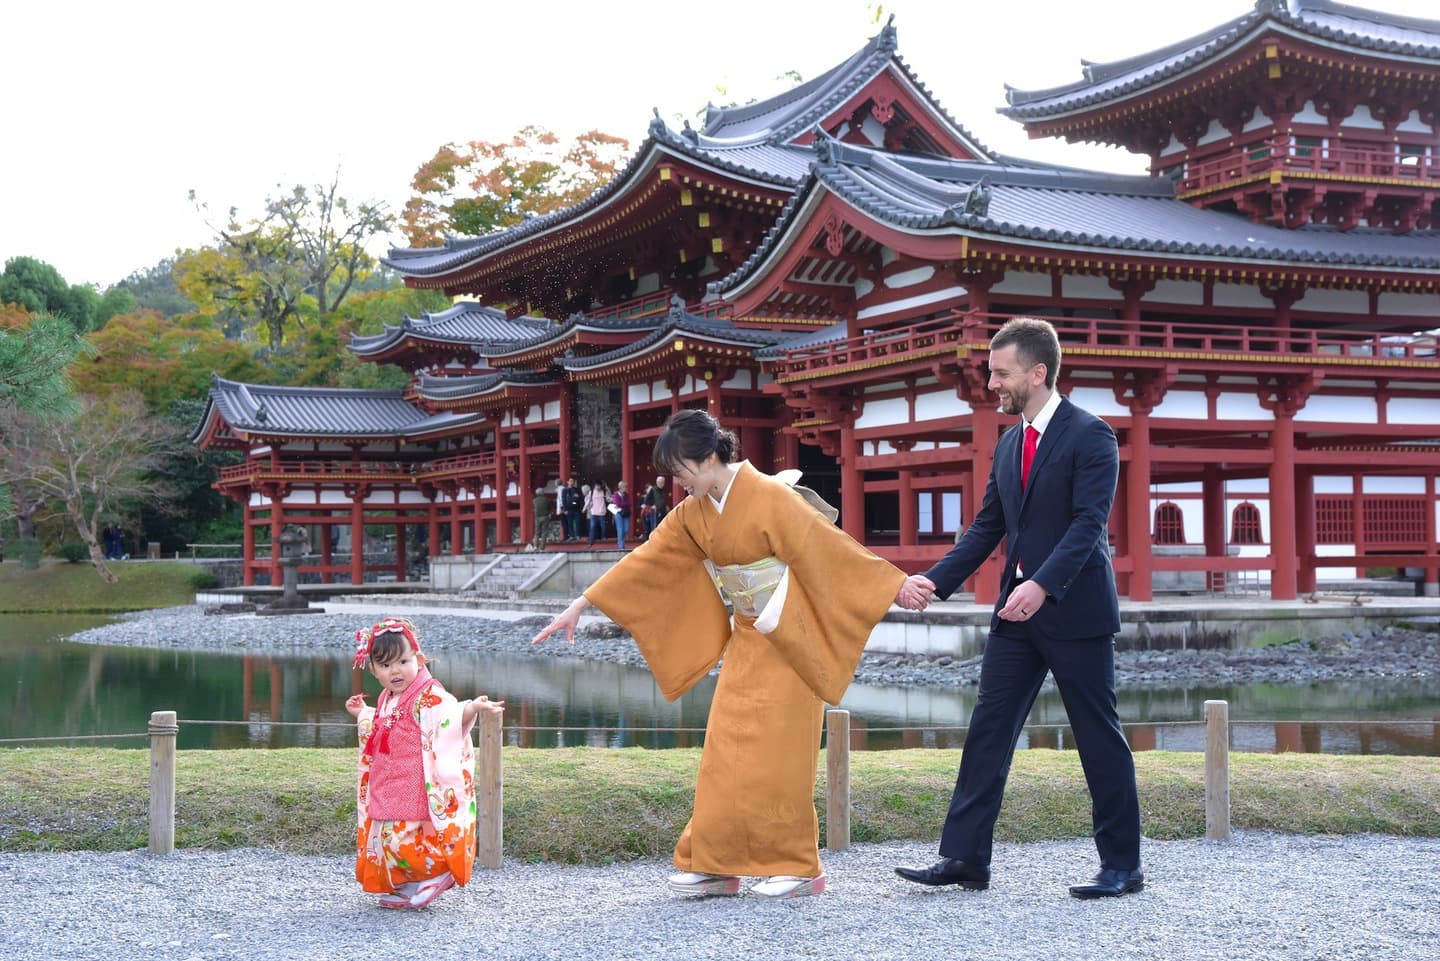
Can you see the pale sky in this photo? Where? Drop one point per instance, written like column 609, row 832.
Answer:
column 113, row 112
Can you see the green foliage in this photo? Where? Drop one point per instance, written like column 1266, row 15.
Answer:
column 164, row 359
column 479, row 187
column 39, row 288
column 203, row 580
column 34, row 353
column 27, row 551
column 73, row 552
column 154, row 289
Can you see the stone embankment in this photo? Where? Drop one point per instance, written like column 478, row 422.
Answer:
column 1382, row 652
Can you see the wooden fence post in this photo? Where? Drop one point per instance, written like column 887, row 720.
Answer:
column 163, row 730
column 837, row 780
column 489, row 792
column 1217, row 770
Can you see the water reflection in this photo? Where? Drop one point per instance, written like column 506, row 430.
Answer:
column 55, row 688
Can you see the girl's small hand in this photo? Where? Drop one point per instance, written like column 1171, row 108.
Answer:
column 489, row 706
column 355, row 704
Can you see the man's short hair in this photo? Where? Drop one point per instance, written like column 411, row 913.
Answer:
column 1035, row 342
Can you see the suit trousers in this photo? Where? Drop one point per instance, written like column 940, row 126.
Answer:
column 1012, row 670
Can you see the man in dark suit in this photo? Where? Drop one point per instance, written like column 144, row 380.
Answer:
column 1048, row 497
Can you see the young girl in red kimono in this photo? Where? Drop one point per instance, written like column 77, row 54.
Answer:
column 804, row 596
column 415, row 789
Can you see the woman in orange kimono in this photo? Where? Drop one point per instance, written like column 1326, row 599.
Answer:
column 805, row 597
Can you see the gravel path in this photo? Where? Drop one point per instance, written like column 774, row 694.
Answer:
column 1370, row 653
column 1258, row 896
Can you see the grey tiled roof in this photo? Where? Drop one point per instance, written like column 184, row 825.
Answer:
column 778, row 166
column 1332, row 24
column 465, row 323
column 677, row 322
column 751, row 142
column 832, row 334
column 1066, row 208
column 431, row 387
column 322, row 411
column 784, row 117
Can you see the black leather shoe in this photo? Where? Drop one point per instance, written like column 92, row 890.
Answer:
column 948, row 871
column 1110, row 883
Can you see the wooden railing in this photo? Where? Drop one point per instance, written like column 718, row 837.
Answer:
column 312, row 469
column 1289, row 156
column 1136, row 338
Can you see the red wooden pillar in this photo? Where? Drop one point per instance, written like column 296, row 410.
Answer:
column 1305, row 531
column 852, row 485
column 247, row 537
column 1283, row 580
column 985, row 431
column 1137, row 505
column 627, row 449
column 277, row 527
column 400, row 558
column 909, row 513
column 502, row 491
column 477, row 515
column 1212, row 498
column 1357, row 517
column 566, row 405
column 527, row 487
column 326, row 558
column 457, row 540
column 357, row 538
column 432, row 527
column 1431, row 586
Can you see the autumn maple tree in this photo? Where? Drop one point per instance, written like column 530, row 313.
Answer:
column 480, row 186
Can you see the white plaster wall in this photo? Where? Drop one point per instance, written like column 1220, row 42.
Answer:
column 882, row 413
column 647, row 284
column 939, row 403
column 1239, row 295
column 1023, row 283
column 1393, row 485
column 908, row 303
column 1413, row 124
column 1343, row 410
column 1250, row 485
column 1241, row 407
column 638, row 393
column 1333, row 485
column 1183, row 404
column 1214, row 134
column 1308, row 114
column 740, row 380
column 1099, row 401
column 762, row 379
column 1423, row 306
column 551, row 410
column 1260, row 119
column 1363, row 118
column 1336, row 301
column 1188, row 292
column 909, row 278
column 863, row 288
column 1412, row 410
column 1089, row 288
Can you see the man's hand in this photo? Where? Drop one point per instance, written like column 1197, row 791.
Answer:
column 916, row 593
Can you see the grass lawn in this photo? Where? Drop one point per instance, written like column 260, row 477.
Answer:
column 58, row 587
column 597, row 805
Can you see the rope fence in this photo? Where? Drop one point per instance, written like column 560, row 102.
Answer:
column 164, row 730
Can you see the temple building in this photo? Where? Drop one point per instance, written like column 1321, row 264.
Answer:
column 823, row 270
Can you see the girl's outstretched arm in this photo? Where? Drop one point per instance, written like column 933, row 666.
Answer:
column 481, row 703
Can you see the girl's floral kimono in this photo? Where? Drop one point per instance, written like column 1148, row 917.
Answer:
column 392, row 852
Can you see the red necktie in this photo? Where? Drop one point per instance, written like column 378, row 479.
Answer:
column 1032, row 437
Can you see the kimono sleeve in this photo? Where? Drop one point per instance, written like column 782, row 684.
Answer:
column 663, row 595
column 838, row 592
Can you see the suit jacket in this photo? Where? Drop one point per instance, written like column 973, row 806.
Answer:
column 1055, row 529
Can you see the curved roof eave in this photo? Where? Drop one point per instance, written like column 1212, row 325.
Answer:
column 1317, row 21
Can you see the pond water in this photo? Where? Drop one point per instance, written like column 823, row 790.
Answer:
column 52, row 688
